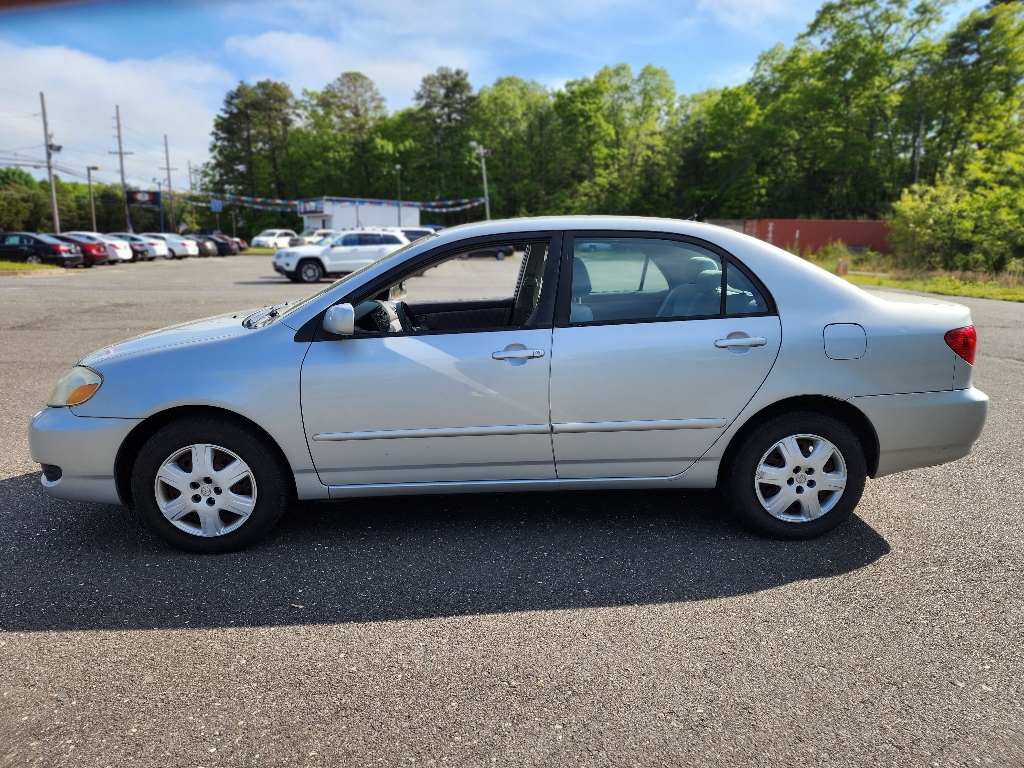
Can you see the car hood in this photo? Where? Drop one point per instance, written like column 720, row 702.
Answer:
column 207, row 329
column 305, row 250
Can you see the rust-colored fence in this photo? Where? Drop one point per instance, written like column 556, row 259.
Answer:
column 810, row 235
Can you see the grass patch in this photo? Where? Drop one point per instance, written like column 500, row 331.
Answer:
column 260, row 251
column 995, row 287
column 7, row 266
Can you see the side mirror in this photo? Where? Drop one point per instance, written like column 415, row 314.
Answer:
column 397, row 292
column 340, row 320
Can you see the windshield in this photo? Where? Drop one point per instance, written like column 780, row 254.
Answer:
column 303, row 302
column 324, row 241
column 267, row 233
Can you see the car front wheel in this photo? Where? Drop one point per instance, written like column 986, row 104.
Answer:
column 796, row 476
column 209, row 486
column 309, row 272
column 33, row 259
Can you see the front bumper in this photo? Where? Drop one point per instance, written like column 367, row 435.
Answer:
column 280, row 269
column 85, row 448
column 924, row 428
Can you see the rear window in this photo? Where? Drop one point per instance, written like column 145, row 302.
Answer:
column 49, row 240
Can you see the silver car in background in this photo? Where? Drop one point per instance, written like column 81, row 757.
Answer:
column 618, row 353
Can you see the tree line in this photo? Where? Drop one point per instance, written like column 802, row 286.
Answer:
column 879, row 109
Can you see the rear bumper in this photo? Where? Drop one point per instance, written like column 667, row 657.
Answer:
column 85, row 448
column 925, row 428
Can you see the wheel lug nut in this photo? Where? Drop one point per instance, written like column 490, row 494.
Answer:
column 196, row 498
column 194, row 486
column 210, row 502
column 796, row 470
column 207, row 480
column 799, row 489
column 217, row 491
column 810, row 483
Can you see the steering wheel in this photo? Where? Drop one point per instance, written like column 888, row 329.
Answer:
column 405, row 317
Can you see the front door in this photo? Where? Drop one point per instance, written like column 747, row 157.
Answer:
column 653, row 362
column 449, row 384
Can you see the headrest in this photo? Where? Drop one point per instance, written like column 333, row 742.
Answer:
column 709, row 279
column 696, row 265
column 580, row 278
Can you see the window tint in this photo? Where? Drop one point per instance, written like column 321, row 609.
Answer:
column 390, row 240
column 9, row 240
column 49, row 240
column 415, row 234
column 350, row 240
column 643, row 279
column 741, row 297
column 369, row 239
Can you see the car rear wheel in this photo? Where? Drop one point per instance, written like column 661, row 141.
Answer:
column 34, row 259
column 309, row 272
column 796, row 476
column 209, row 486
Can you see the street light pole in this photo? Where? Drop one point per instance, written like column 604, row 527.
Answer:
column 92, row 203
column 480, row 151
column 398, row 173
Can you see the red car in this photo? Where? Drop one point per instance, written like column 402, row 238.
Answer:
column 92, row 253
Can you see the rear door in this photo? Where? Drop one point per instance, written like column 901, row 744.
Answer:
column 660, row 343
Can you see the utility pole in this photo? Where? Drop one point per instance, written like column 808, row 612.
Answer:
column 482, row 153
column 92, row 203
column 120, row 154
column 190, row 187
column 170, row 192
column 50, row 149
column 398, row 171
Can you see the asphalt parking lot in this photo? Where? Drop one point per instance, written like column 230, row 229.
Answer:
column 597, row 629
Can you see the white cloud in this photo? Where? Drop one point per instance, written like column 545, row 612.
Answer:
column 174, row 95
column 746, row 14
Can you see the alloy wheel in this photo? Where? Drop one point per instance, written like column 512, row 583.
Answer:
column 205, row 490
column 800, row 478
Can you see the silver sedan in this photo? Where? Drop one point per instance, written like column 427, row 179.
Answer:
column 607, row 353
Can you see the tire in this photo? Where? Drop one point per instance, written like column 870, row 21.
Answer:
column 500, row 255
column 166, row 471
column 309, row 271
column 809, row 498
column 34, row 259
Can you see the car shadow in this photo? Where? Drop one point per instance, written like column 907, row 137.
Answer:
column 74, row 566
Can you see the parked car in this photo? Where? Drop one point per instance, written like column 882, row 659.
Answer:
column 93, row 253
column 273, row 238
column 229, row 242
column 310, row 236
column 346, row 252
column 118, row 250
column 242, row 245
column 206, row 247
column 38, row 249
column 695, row 357
column 499, row 252
column 412, row 234
column 178, row 247
column 222, row 246
column 148, row 247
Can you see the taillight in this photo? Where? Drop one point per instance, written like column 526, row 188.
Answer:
column 963, row 341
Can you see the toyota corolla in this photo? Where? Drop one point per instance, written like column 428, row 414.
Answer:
column 617, row 353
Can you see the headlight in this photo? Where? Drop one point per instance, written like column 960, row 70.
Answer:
column 76, row 386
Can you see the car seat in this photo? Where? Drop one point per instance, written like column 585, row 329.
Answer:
column 700, row 289
column 581, row 288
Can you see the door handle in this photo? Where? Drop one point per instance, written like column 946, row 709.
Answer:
column 517, row 354
column 743, row 341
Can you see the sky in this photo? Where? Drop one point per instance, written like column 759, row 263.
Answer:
column 168, row 64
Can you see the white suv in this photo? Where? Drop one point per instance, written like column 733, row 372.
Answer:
column 346, row 252
column 273, row 238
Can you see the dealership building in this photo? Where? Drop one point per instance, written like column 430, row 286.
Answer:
column 353, row 213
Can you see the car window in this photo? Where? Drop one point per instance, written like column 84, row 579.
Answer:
column 350, row 240
column 629, row 279
column 48, row 240
column 460, row 294
column 741, row 297
column 9, row 240
column 390, row 240
column 366, row 238
column 416, row 234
